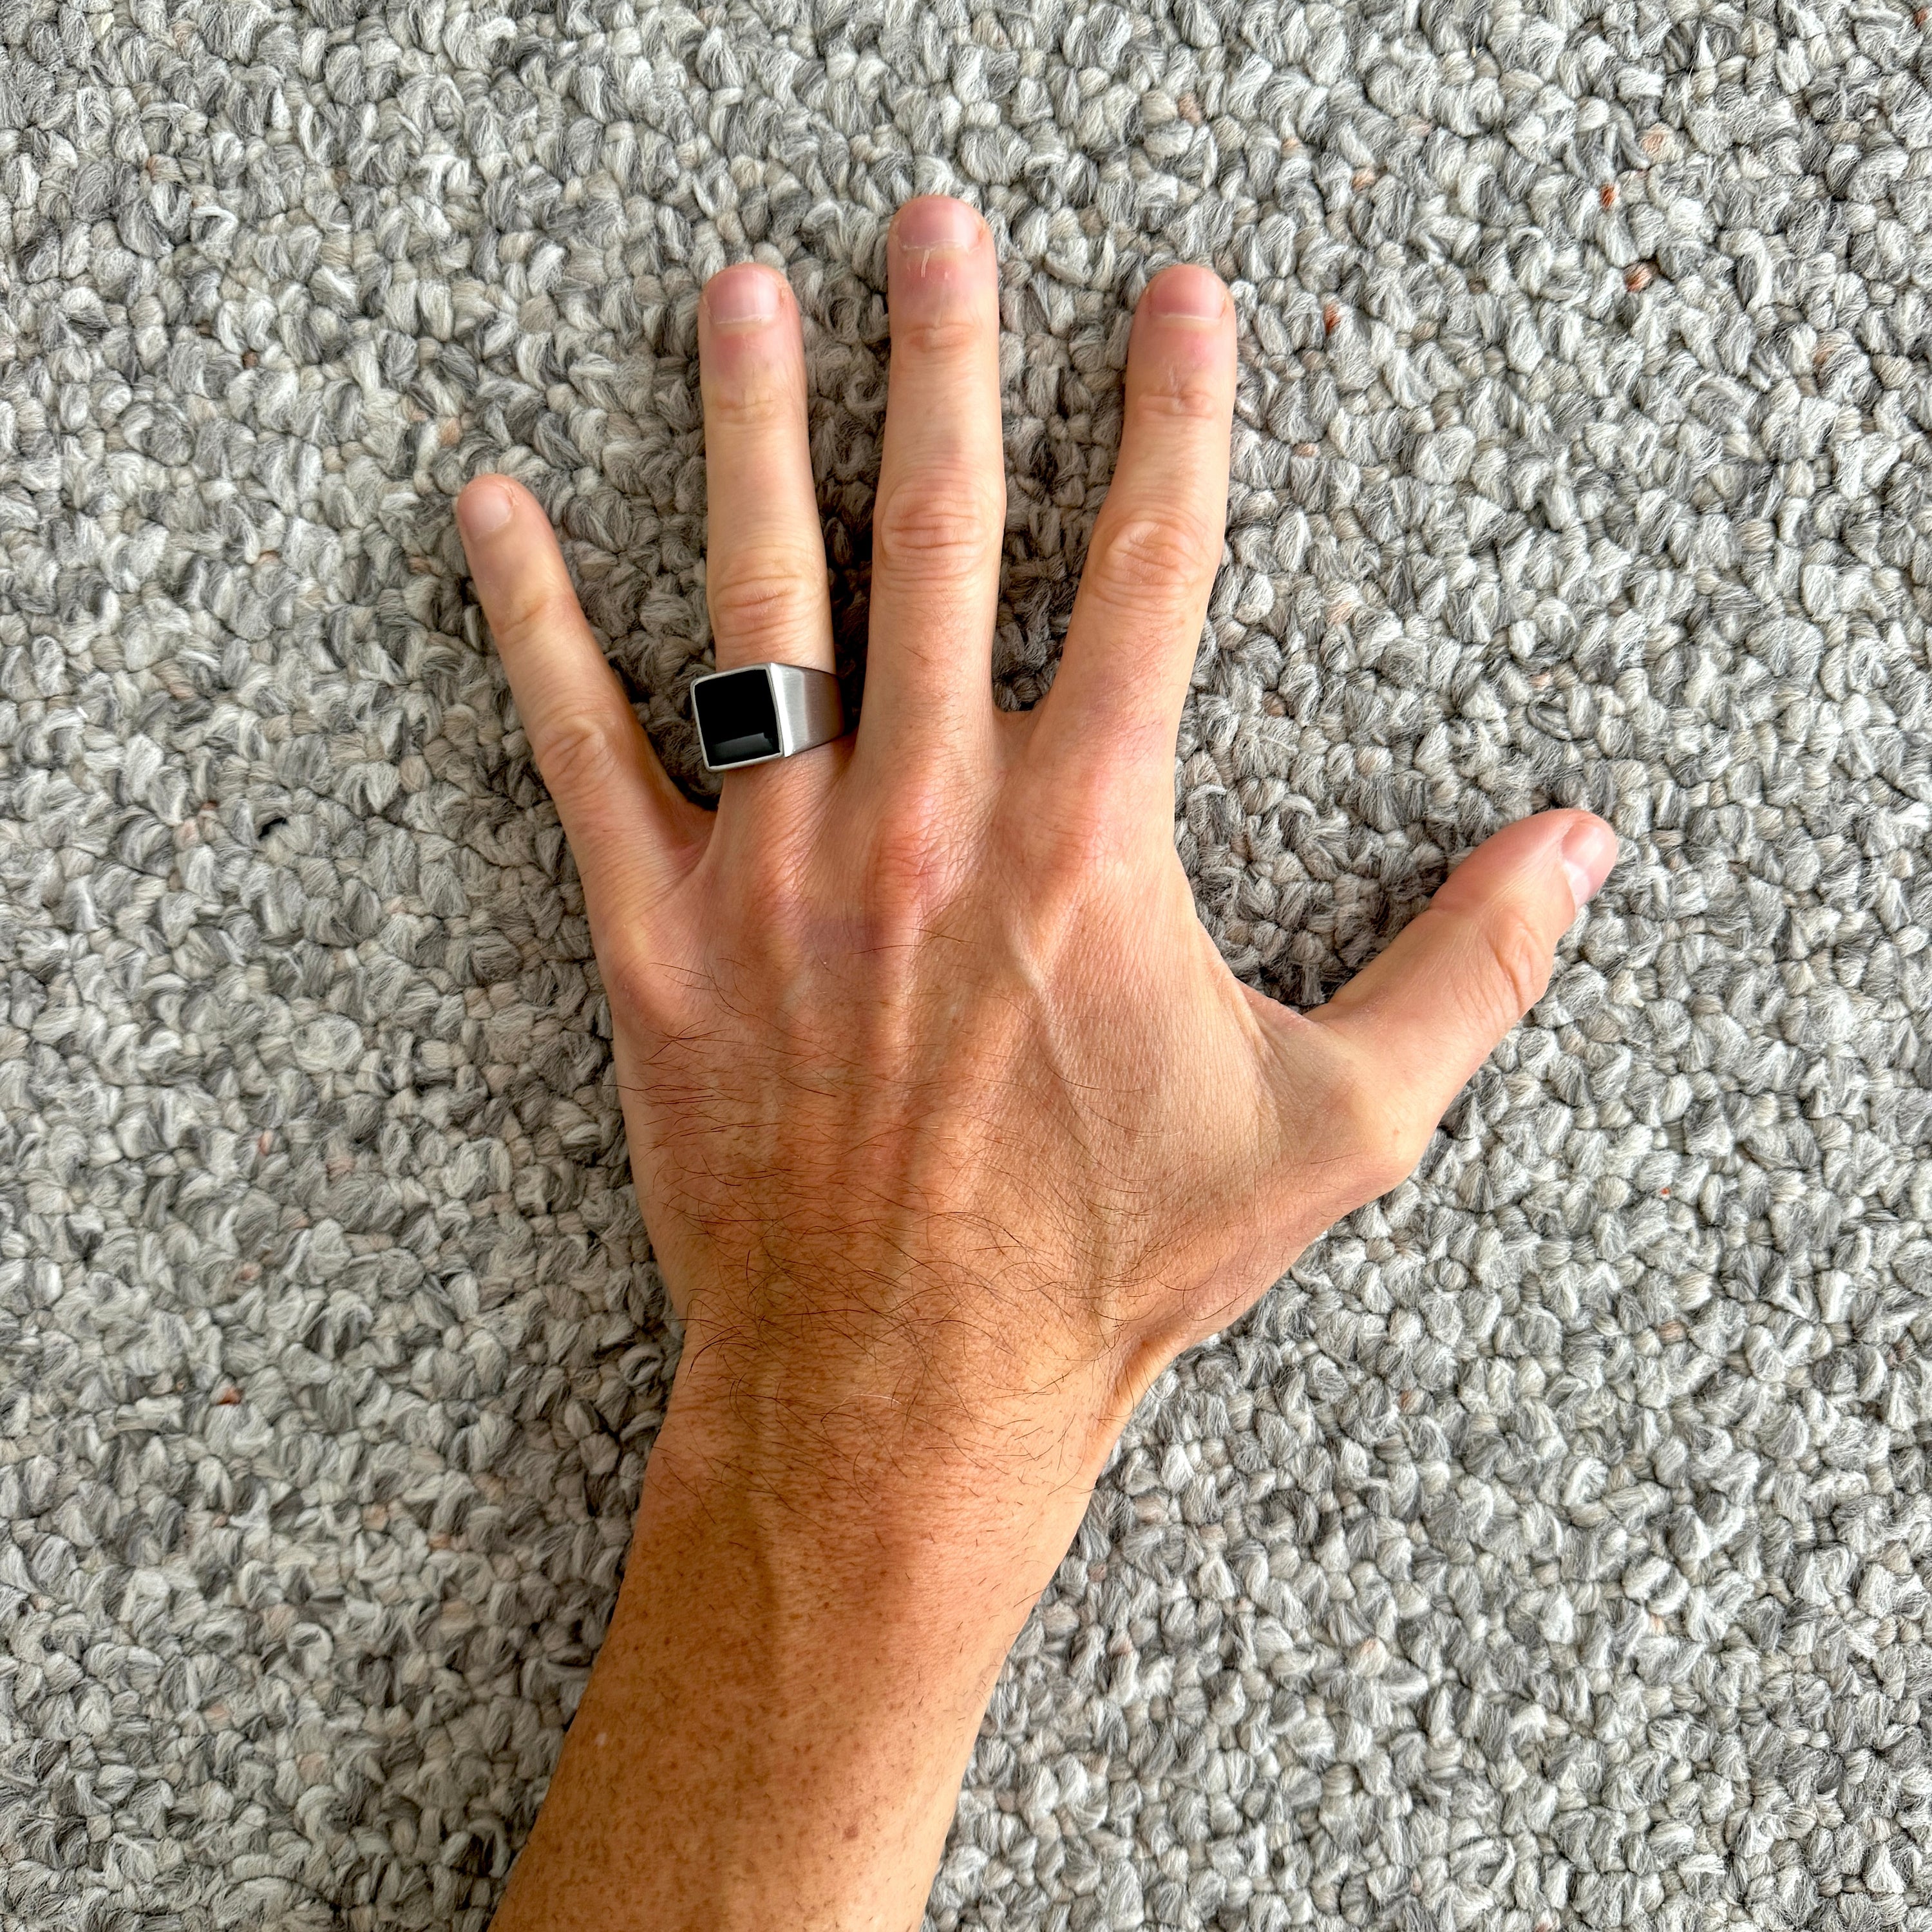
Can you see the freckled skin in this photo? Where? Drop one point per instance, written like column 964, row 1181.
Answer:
column 949, row 1123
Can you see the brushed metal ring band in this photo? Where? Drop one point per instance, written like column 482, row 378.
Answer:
column 763, row 711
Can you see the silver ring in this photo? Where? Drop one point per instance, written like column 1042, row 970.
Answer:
column 764, row 711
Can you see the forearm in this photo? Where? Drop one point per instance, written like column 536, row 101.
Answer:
column 777, row 1725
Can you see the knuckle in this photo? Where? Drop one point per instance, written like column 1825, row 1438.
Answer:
column 939, row 520
column 578, row 752
column 527, row 611
column 760, row 593
column 637, row 986
column 909, row 848
column 1147, row 553
column 749, row 405
column 1514, row 949
column 781, row 919
column 916, row 849
column 1370, row 1139
column 1383, row 1143
column 1082, row 838
column 667, row 1006
column 954, row 335
column 1193, row 396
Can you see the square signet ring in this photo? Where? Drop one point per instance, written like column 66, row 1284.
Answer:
column 764, row 711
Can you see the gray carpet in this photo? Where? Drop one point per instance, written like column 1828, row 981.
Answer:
column 1553, row 1547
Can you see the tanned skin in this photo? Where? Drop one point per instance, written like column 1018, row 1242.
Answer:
column 949, row 1125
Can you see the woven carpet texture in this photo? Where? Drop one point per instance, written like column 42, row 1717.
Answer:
column 1552, row 1547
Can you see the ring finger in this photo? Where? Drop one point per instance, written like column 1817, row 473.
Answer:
column 764, row 570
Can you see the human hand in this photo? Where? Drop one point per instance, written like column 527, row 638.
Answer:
column 946, row 1118
column 949, row 1123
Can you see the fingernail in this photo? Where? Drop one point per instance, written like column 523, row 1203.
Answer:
column 937, row 221
column 1588, row 853
column 1188, row 295
column 742, row 297
column 483, row 509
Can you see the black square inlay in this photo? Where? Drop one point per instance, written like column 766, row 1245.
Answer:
column 736, row 717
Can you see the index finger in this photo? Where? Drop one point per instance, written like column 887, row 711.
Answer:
column 632, row 831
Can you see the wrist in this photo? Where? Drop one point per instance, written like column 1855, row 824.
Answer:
column 911, row 1447
column 880, row 1506
column 789, row 1692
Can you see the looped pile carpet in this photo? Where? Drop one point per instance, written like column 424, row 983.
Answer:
column 1553, row 1547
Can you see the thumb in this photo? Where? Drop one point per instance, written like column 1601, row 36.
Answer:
column 1419, row 1020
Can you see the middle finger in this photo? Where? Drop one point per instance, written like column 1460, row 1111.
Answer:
column 939, row 519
